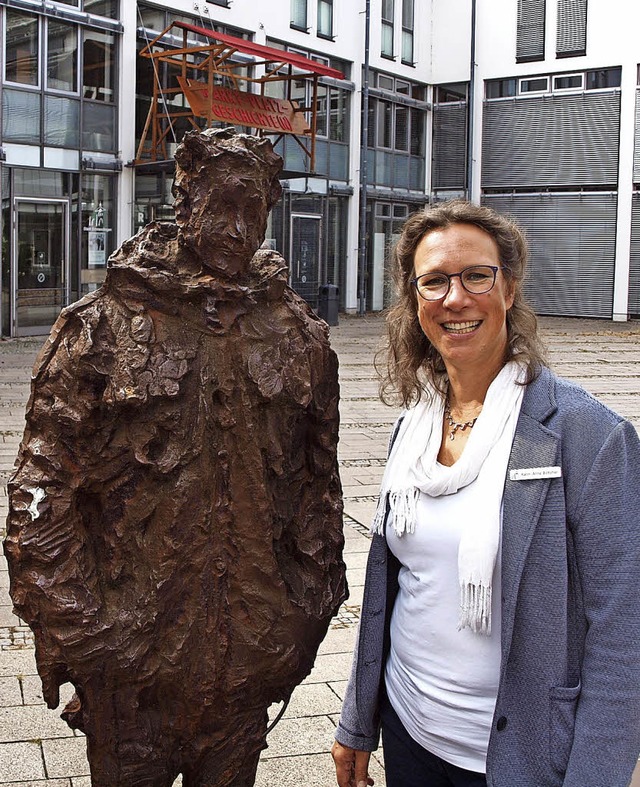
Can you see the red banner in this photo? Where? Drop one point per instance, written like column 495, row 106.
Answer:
column 244, row 109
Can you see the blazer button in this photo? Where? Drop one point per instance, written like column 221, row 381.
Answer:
column 501, row 723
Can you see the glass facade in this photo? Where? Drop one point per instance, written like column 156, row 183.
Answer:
column 59, row 108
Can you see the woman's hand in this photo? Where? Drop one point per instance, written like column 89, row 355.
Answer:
column 352, row 766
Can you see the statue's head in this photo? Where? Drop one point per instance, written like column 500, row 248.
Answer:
column 224, row 188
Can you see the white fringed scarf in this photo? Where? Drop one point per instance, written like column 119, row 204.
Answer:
column 413, row 467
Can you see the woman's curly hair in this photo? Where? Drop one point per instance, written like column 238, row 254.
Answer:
column 408, row 359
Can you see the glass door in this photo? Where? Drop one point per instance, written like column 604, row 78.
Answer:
column 40, row 264
column 305, row 256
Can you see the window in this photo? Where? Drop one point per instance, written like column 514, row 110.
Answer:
column 568, row 82
column 603, row 78
column 62, row 56
column 325, row 18
column 22, row 47
column 407, row 32
column 501, row 88
column 84, row 118
column 572, row 28
column 530, row 31
column 387, row 28
column 98, row 73
column 299, row 14
column 102, row 7
column 396, row 135
column 534, row 85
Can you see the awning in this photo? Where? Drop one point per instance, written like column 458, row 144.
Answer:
column 268, row 53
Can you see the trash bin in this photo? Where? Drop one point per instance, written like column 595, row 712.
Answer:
column 328, row 303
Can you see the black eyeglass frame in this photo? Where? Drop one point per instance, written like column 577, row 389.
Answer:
column 493, row 268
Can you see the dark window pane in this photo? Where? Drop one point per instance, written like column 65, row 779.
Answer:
column 61, row 122
column 371, row 127
column 99, row 127
column 321, row 116
column 568, row 82
column 534, row 85
column 20, row 116
column 98, row 76
column 603, row 78
column 339, row 115
column 62, row 56
column 21, row 48
column 417, row 132
column 501, row 88
column 385, row 118
column 402, row 128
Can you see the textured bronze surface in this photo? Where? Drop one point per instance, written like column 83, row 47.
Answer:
column 175, row 535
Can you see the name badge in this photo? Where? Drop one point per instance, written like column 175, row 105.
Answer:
column 533, row 473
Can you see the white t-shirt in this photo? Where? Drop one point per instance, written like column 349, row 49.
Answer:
column 443, row 682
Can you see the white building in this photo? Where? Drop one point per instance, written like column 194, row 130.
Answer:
column 527, row 105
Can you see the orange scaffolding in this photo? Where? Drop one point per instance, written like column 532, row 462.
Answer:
column 210, row 81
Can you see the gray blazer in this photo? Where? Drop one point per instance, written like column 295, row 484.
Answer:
column 568, row 706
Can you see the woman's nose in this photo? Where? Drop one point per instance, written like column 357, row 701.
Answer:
column 457, row 294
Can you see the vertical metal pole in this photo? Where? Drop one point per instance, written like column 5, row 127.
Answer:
column 362, row 246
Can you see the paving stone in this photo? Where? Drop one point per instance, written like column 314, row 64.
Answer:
column 66, row 757
column 21, row 761
column 31, row 722
column 339, row 640
column 313, row 699
column 39, row 783
column 330, row 666
column 10, row 694
column 18, row 662
column 293, row 737
column 312, row 771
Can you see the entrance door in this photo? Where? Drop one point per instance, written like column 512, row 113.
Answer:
column 40, row 264
column 305, row 256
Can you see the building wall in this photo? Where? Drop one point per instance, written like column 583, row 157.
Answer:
column 611, row 42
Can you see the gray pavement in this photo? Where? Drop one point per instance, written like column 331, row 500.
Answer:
column 38, row 750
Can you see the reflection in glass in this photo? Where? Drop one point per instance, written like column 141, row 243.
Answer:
column 102, row 7
column 20, row 116
column 98, row 71
column 21, row 48
column 98, row 130
column 97, row 229
column 62, row 56
column 41, row 268
column 61, row 122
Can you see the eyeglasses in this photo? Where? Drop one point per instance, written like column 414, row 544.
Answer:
column 477, row 280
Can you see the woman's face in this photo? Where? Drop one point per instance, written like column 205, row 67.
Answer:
column 469, row 331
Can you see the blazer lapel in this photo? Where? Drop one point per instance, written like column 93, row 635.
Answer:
column 533, row 446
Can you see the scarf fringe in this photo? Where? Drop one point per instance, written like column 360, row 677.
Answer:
column 403, row 504
column 475, row 608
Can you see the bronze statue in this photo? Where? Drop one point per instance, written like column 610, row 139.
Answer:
column 175, row 531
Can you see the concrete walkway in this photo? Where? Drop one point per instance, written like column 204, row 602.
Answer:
column 39, row 750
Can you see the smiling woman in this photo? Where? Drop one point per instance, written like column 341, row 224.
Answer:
column 502, row 579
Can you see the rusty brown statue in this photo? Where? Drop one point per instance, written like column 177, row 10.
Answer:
column 175, row 536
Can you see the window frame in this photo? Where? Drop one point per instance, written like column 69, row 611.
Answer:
column 294, row 24
column 320, row 32
column 522, row 92
column 387, row 25
column 408, row 30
